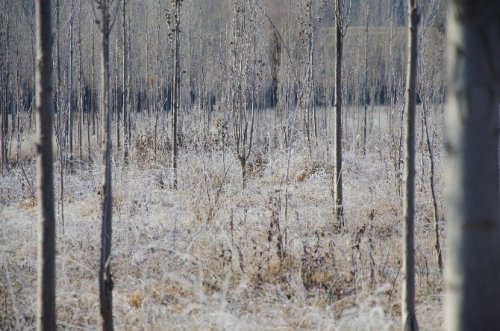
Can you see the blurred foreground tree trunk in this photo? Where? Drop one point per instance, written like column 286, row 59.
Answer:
column 472, row 271
column 408, row 306
column 46, row 315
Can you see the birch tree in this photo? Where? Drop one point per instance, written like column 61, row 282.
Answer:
column 472, row 270
column 46, row 315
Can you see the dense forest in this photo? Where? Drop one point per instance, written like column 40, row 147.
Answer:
column 278, row 40
column 249, row 164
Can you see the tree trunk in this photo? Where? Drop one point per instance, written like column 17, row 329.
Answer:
column 80, row 84
column 70, row 87
column 177, row 94
column 105, row 279
column 435, row 210
column 365, row 87
column 117, row 98
column 5, row 85
column 472, row 271
column 338, row 192
column 408, row 306
column 307, row 94
column 60, row 126
column 46, row 315
column 124, row 81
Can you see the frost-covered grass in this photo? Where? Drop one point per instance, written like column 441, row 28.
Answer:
column 212, row 255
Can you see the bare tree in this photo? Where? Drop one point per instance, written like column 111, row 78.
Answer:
column 472, row 271
column 430, row 90
column 243, row 70
column 70, row 84
column 107, row 16
column 80, row 83
column 306, row 99
column 435, row 210
column 46, row 319
column 125, row 76
column 408, row 306
column 274, row 49
column 58, row 105
column 5, row 34
column 365, row 91
column 177, row 89
column 341, row 24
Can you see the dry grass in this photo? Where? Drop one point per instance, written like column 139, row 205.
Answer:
column 213, row 256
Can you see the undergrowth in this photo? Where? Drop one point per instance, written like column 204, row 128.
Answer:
column 212, row 255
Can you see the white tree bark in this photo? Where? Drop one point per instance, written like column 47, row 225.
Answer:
column 472, row 270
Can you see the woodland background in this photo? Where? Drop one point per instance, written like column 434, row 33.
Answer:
column 221, row 243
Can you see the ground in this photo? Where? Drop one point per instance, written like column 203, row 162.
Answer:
column 213, row 255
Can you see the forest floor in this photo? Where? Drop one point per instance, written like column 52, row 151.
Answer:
column 213, row 255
